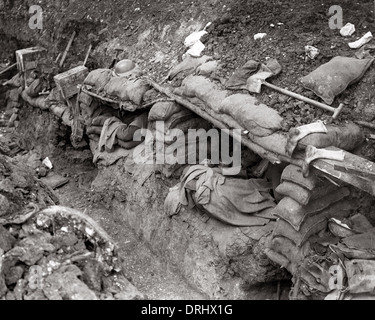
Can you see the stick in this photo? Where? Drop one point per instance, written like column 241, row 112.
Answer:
column 67, row 49
column 335, row 111
column 8, row 68
column 87, row 55
column 58, row 57
column 365, row 124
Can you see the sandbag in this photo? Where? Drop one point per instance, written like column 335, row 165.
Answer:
column 295, row 192
column 256, row 117
column 333, row 77
column 126, row 132
column 205, row 90
column 174, row 120
column 188, row 66
column 289, row 250
column 277, row 258
column 85, row 98
column 346, row 137
column 35, row 87
column 94, row 130
column 98, row 79
column 312, row 225
column 183, row 127
column 207, row 68
column 39, row 102
column 363, row 242
column 163, row 110
column 127, row 89
column 294, row 174
column 275, row 142
column 302, row 195
column 239, row 78
column 294, row 213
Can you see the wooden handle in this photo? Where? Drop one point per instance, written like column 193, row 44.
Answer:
column 299, row 97
column 87, row 55
column 67, row 48
column 8, row 68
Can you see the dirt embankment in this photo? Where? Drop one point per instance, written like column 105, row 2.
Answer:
column 152, row 33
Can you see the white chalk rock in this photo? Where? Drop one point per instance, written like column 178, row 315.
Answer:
column 259, row 36
column 359, row 43
column 347, row 30
column 312, row 52
column 194, row 38
column 196, row 50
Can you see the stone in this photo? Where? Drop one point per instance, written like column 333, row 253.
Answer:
column 19, row 289
column 13, row 274
column 36, row 295
column 4, row 205
column 92, row 274
column 7, row 241
column 64, row 284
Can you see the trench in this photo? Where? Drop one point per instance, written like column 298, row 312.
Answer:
column 190, row 255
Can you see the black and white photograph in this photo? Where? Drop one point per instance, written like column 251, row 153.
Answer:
column 186, row 158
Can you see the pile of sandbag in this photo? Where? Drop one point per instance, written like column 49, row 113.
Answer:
column 234, row 201
column 303, row 215
column 239, row 111
column 128, row 89
column 170, row 123
column 110, row 131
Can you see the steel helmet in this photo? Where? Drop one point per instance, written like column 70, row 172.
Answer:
column 124, row 66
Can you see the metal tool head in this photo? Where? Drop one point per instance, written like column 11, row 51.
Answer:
column 254, row 83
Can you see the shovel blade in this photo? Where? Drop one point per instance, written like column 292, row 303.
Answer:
column 254, row 83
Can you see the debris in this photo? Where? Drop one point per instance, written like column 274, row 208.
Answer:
column 54, row 181
column 347, row 30
column 47, row 162
column 194, row 38
column 196, row 50
column 360, row 42
column 311, row 52
column 260, row 36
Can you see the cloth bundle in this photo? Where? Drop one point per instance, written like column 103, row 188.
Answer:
column 237, row 202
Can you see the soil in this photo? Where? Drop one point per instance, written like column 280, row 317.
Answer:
column 141, row 267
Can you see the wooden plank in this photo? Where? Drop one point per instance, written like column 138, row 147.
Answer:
column 68, row 81
column 327, row 167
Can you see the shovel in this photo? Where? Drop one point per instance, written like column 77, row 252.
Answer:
column 255, row 82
